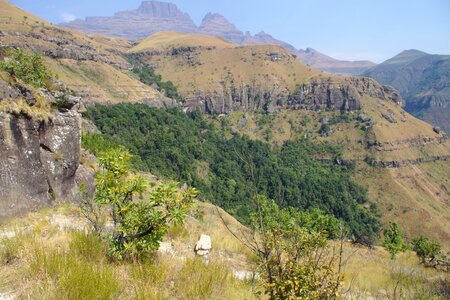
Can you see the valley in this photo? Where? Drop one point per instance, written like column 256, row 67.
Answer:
column 120, row 151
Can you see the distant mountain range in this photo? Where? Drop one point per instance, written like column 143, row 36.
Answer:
column 423, row 80
column 155, row 16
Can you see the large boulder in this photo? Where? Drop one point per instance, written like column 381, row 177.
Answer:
column 38, row 161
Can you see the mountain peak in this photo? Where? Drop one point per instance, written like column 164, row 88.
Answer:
column 159, row 9
column 217, row 25
column 410, row 52
column 209, row 17
column 148, row 18
column 405, row 57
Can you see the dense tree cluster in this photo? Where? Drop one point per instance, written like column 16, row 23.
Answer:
column 231, row 171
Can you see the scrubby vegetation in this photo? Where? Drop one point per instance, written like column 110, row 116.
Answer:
column 295, row 260
column 230, row 172
column 393, row 240
column 139, row 226
column 52, row 264
column 26, row 66
column 45, row 261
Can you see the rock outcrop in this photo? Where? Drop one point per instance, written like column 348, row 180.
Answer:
column 344, row 95
column 38, row 159
column 232, row 97
column 315, row 95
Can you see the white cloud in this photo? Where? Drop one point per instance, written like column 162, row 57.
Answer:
column 67, row 17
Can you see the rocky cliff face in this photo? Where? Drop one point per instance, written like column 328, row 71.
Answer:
column 317, row 94
column 237, row 97
column 150, row 17
column 39, row 159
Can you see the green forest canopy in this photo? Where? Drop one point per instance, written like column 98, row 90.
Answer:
column 230, row 172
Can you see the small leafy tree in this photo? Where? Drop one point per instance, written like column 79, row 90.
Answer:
column 28, row 67
column 140, row 222
column 296, row 261
column 393, row 240
column 427, row 250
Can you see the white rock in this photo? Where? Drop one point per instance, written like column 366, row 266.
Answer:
column 203, row 245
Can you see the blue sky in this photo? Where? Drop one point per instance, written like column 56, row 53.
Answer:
column 344, row 29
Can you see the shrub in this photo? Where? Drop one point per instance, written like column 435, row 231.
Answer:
column 296, row 262
column 427, row 250
column 28, row 67
column 393, row 240
column 139, row 225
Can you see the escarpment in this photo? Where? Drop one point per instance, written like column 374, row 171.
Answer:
column 344, row 95
column 39, row 157
column 317, row 94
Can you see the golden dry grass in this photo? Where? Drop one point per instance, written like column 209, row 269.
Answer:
column 45, row 261
column 102, row 83
column 165, row 40
column 208, row 69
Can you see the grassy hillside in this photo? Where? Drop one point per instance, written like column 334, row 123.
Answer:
column 92, row 66
column 165, row 40
column 199, row 69
column 48, row 255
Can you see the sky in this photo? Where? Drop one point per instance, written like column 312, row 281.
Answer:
column 344, row 29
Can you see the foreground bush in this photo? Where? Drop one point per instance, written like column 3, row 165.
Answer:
column 139, row 221
column 296, row 261
column 28, row 67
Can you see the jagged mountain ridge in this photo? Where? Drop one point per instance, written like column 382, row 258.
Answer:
column 155, row 16
column 423, row 80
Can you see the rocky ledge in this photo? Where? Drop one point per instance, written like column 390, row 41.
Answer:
column 317, row 94
column 343, row 95
column 60, row 48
